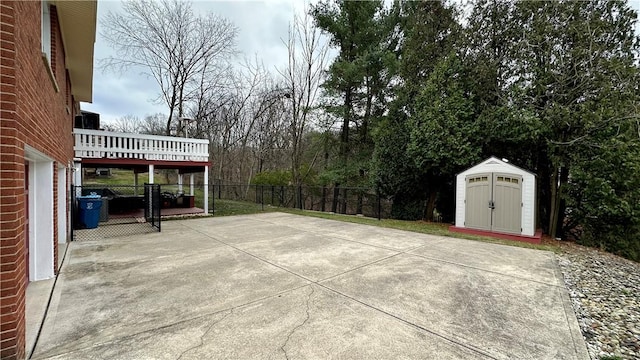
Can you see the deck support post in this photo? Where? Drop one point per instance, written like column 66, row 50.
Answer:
column 150, row 173
column 135, row 183
column 180, row 183
column 77, row 177
column 77, row 173
column 206, row 188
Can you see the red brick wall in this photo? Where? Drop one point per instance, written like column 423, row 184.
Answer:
column 33, row 112
column 11, row 212
column 46, row 125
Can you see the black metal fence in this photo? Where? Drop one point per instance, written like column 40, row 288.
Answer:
column 339, row 200
column 114, row 210
column 153, row 198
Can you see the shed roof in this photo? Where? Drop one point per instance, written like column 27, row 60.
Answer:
column 502, row 164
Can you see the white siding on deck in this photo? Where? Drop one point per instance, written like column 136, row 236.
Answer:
column 112, row 145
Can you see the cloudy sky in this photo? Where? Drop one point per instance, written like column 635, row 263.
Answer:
column 262, row 26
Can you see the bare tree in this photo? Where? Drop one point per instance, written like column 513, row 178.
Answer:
column 127, row 124
column 153, row 124
column 270, row 138
column 175, row 46
column 302, row 78
column 256, row 122
column 226, row 112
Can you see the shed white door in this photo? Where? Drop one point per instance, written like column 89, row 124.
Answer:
column 494, row 202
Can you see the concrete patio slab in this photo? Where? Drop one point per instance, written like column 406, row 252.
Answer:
column 306, row 323
column 311, row 225
column 504, row 259
column 315, row 257
column 249, row 287
column 239, row 233
column 171, row 241
column 509, row 317
column 375, row 236
column 38, row 293
column 390, row 238
column 99, row 300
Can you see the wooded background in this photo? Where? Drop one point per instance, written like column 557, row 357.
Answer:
column 416, row 93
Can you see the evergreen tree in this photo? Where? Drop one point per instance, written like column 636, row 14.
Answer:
column 354, row 28
column 577, row 73
column 443, row 132
column 428, row 31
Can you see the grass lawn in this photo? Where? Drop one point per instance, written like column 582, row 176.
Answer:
column 230, row 207
column 126, row 177
column 118, row 177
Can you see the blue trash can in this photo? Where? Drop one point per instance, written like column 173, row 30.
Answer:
column 90, row 210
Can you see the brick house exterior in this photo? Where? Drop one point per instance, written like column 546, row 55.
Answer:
column 46, row 65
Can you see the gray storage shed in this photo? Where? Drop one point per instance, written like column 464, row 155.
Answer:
column 496, row 196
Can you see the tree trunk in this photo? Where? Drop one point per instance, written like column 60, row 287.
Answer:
column 562, row 205
column 364, row 130
column 554, row 206
column 359, row 200
column 334, row 202
column 344, row 201
column 168, row 128
column 543, row 187
column 344, row 136
column 430, row 206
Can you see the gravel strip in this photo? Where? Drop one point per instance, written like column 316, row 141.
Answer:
column 605, row 294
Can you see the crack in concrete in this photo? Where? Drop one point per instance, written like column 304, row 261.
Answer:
column 204, row 334
column 298, row 326
column 445, row 337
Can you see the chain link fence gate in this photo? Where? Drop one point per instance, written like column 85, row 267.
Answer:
column 122, row 211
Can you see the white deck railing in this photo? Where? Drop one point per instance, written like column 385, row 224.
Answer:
column 115, row 145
